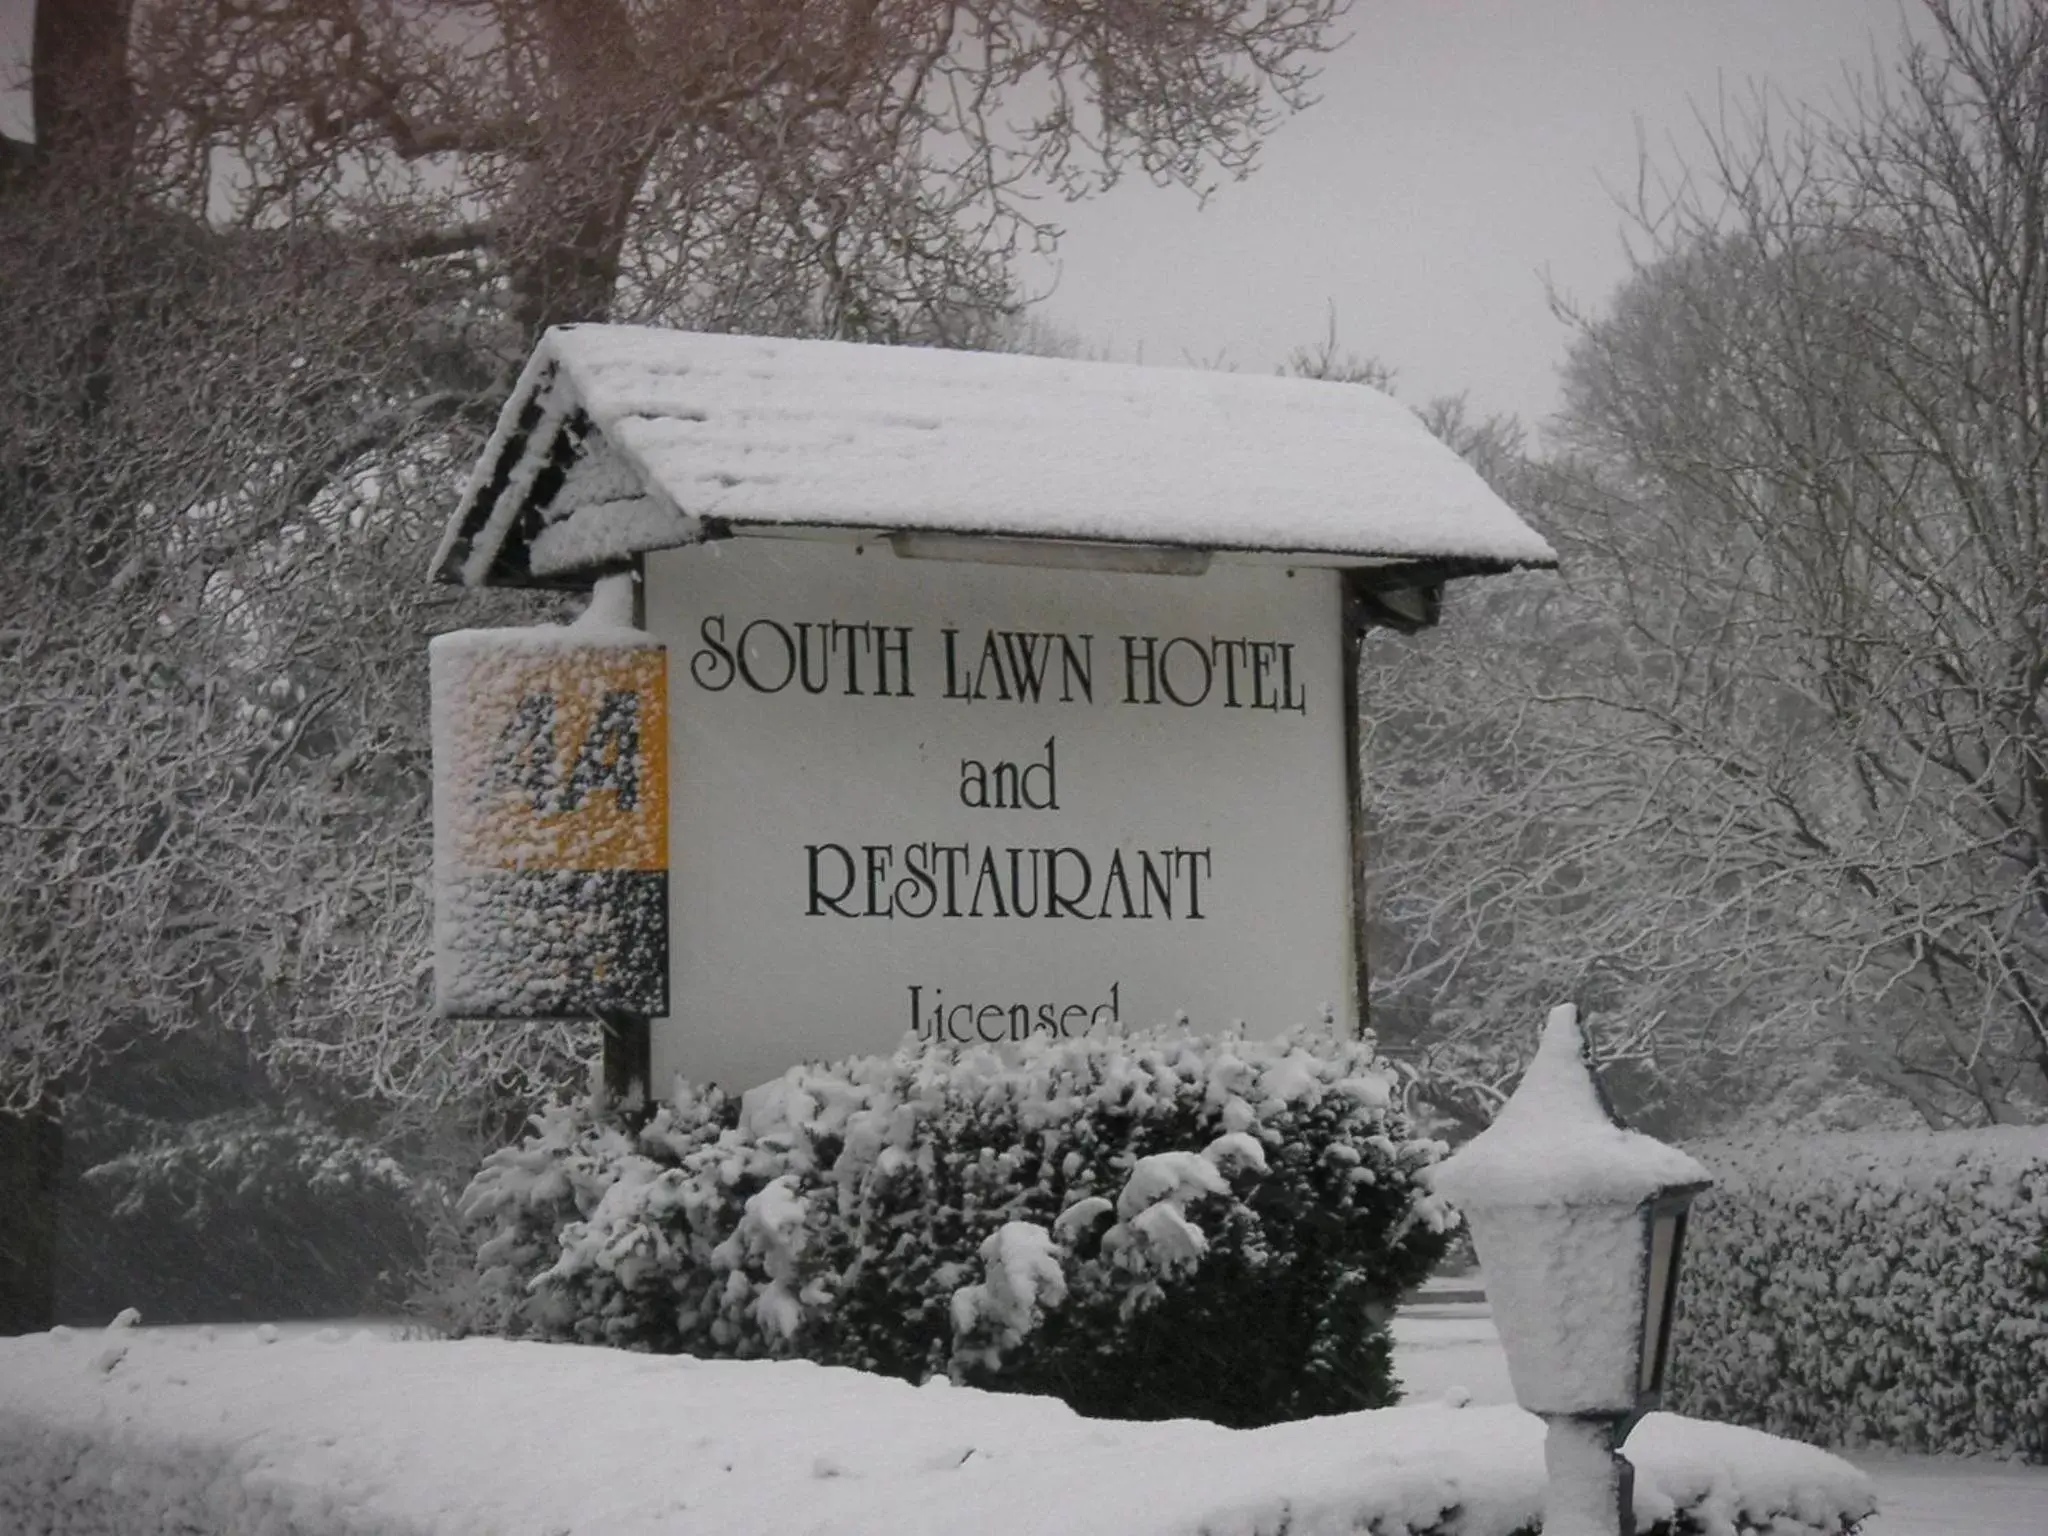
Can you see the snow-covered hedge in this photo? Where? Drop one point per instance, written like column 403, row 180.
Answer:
column 1873, row 1290
column 171, row 1431
column 1147, row 1226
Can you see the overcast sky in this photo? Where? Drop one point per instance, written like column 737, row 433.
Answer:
column 1462, row 150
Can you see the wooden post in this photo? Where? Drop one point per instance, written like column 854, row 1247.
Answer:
column 629, row 1038
column 629, row 1065
column 1355, row 621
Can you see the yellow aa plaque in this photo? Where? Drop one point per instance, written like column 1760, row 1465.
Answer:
column 550, row 823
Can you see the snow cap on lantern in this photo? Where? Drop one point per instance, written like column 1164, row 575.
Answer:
column 1576, row 1220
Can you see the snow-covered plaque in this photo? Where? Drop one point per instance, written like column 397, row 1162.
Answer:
column 976, row 802
column 550, row 822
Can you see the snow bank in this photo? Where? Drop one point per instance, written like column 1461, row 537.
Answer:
column 335, row 1436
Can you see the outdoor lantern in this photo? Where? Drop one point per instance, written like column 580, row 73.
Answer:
column 1667, row 1243
column 1579, row 1223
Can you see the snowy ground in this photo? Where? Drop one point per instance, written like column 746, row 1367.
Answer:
column 337, row 1433
column 1448, row 1350
column 344, row 1431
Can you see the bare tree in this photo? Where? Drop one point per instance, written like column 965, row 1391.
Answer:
column 1477, row 918
column 844, row 167
column 285, row 256
column 1774, row 788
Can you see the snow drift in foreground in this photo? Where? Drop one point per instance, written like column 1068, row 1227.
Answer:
column 135, row 1431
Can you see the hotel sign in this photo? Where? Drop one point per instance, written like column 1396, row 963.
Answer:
column 980, row 802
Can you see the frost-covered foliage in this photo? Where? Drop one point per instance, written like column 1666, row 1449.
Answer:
column 1873, row 1289
column 247, row 1157
column 235, row 1214
column 1147, row 1226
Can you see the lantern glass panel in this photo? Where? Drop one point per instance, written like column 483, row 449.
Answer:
column 1667, row 1236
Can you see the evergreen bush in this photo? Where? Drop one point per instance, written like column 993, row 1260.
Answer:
column 259, row 1213
column 1872, row 1289
column 1147, row 1226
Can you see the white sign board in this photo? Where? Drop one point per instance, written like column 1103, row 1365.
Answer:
column 982, row 801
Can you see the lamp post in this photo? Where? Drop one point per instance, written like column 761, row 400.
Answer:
column 1579, row 1223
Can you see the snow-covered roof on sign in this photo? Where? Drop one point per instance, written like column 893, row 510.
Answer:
column 620, row 439
column 1556, row 1143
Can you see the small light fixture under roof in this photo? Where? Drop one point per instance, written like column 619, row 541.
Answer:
column 1052, row 554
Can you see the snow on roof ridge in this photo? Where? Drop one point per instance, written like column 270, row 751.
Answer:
column 737, row 432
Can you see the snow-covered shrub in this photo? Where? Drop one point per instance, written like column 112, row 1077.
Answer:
column 575, row 1217
column 1872, row 1289
column 1147, row 1226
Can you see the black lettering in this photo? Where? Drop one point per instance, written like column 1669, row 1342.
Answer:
column 887, row 643
column 1156, row 879
column 1028, row 653
column 1018, row 906
column 953, row 688
column 955, row 855
column 1229, row 650
column 1141, row 650
column 1054, row 901
column 879, row 857
column 819, row 900
column 1051, row 801
column 610, row 755
column 523, row 760
column 917, row 881
column 712, row 660
column 846, row 638
column 746, row 651
column 1292, row 699
column 973, row 783
column 1116, row 879
column 987, row 879
column 1198, row 865
column 827, row 638
column 1111, row 1008
column 1077, row 665
column 991, row 660
column 1201, row 658
column 1262, row 664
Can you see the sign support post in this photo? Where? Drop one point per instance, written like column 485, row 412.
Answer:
column 628, row 1062
column 628, row 1037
